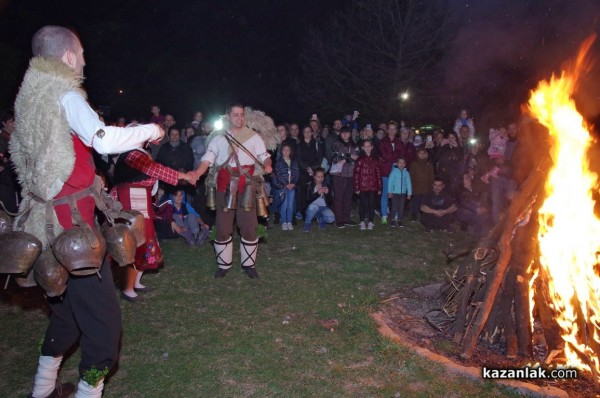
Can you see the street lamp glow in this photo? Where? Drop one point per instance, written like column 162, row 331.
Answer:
column 404, row 96
column 218, row 124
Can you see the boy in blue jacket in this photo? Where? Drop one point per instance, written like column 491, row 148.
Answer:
column 399, row 189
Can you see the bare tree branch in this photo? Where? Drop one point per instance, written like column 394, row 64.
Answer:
column 370, row 52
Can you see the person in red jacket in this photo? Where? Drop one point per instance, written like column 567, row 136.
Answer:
column 367, row 184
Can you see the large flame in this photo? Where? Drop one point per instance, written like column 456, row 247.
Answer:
column 569, row 234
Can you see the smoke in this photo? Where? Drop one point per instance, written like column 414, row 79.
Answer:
column 502, row 48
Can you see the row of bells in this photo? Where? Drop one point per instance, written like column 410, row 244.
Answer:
column 78, row 251
column 251, row 198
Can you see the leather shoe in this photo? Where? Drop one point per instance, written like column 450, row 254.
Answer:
column 136, row 299
column 251, row 272
column 64, row 390
column 221, row 273
column 144, row 289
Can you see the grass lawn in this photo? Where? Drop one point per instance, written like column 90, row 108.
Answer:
column 236, row 337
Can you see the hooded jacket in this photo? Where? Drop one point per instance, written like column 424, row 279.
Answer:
column 399, row 181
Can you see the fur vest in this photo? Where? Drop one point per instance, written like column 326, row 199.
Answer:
column 41, row 146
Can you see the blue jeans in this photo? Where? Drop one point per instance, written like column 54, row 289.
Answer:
column 384, row 198
column 190, row 222
column 287, row 206
column 323, row 213
column 277, row 194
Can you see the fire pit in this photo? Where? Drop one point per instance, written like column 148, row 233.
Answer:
column 537, row 272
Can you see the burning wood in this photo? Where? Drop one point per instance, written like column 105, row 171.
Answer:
column 548, row 242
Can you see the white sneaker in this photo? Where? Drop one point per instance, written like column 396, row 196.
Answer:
column 370, row 226
column 362, row 226
column 284, row 226
column 290, row 227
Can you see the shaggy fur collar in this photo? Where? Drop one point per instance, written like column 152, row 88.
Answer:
column 41, row 146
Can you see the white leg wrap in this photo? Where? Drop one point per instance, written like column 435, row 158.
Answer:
column 45, row 378
column 84, row 390
column 248, row 251
column 224, row 253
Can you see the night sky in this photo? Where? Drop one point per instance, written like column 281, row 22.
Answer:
column 187, row 55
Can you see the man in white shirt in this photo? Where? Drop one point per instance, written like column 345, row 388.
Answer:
column 52, row 151
column 241, row 142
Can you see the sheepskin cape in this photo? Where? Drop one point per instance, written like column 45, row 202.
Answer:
column 41, row 146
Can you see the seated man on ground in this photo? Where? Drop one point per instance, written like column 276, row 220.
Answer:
column 319, row 201
column 178, row 218
column 438, row 208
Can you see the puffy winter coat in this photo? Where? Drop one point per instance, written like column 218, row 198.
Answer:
column 367, row 174
column 285, row 174
column 399, row 181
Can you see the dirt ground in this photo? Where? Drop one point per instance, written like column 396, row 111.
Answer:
column 416, row 316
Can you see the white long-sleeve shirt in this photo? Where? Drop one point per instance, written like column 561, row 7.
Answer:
column 85, row 123
column 218, row 151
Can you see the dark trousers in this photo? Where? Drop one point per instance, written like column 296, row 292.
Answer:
column 89, row 313
column 367, row 202
column 398, row 201
column 431, row 221
column 246, row 220
column 342, row 198
column 415, row 204
column 302, row 191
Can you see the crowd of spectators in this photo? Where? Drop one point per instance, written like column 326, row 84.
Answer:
column 336, row 173
column 445, row 180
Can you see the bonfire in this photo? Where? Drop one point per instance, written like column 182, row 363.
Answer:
column 538, row 270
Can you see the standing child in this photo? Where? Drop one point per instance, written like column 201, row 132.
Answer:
column 421, row 176
column 367, row 184
column 399, row 189
column 285, row 178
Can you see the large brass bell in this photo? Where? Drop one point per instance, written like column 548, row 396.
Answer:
column 211, row 197
column 77, row 253
column 25, row 281
column 18, row 252
column 261, row 202
column 136, row 223
column 50, row 275
column 5, row 223
column 120, row 243
column 231, row 194
column 248, row 198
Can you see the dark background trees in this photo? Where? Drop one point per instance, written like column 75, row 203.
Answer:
column 371, row 53
column 296, row 57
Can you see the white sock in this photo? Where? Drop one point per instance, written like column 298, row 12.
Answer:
column 84, row 390
column 138, row 278
column 45, row 378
